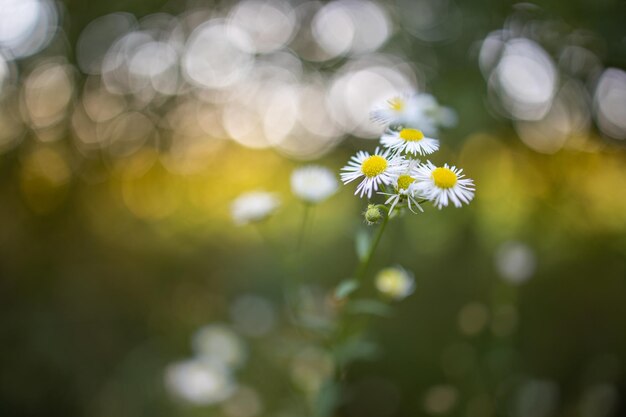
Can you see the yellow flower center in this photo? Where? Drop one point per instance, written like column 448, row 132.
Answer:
column 411, row 135
column 404, row 181
column 396, row 104
column 444, row 177
column 373, row 166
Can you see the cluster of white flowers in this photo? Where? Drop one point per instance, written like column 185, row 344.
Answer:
column 209, row 376
column 312, row 184
column 396, row 171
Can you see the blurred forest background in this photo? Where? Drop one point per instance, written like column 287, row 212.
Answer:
column 128, row 126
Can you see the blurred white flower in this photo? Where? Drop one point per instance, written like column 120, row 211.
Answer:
column 199, row 382
column 313, row 184
column 440, row 399
column 599, row 400
column 395, row 282
column 310, row 368
column 377, row 169
column 443, row 185
column 254, row 206
column 515, row 262
column 537, row 398
column 246, row 402
column 445, row 117
column 410, row 141
column 219, row 343
column 414, row 110
column 253, row 315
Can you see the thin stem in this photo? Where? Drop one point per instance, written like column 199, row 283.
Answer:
column 303, row 228
column 362, row 270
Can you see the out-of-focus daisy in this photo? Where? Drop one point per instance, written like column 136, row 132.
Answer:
column 377, row 169
column 199, row 381
column 445, row 116
column 409, row 110
column 217, row 342
column 409, row 140
column 443, row 185
column 313, row 184
column 403, row 190
column 246, row 402
column 311, row 367
column 253, row 207
column 395, row 282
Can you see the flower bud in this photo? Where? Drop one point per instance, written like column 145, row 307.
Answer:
column 372, row 214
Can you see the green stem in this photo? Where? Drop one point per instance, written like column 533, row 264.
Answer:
column 343, row 326
column 362, row 270
column 303, row 228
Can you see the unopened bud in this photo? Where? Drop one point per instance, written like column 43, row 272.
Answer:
column 372, row 214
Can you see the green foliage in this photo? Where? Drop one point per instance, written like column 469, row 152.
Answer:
column 362, row 243
column 346, row 287
column 369, row 306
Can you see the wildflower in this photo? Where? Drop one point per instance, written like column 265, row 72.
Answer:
column 409, row 110
column 445, row 116
column 219, row 343
column 199, row 382
column 404, row 191
column 313, row 184
column 443, row 185
column 377, row 169
column 408, row 140
column 395, row 282
column 372, row 214
column 253, row 207
column 310, row 367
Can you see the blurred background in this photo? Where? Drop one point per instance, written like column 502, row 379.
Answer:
column 127, row 127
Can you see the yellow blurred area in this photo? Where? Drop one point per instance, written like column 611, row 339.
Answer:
column 579, row 191
column 44, row 178
column 143, row 275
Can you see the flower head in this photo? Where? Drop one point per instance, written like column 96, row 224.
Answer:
column 403, row 190
column 408, row 140
column 219, row 343
column 443, row 185
column 409, row 110
column 395, row 282
column 313, row 184
column 372, row 215
column 377, row 169
column 199, row 381
column 254, row 206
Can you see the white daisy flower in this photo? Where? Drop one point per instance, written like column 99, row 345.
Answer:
column 199, row 381
column 219, row 343
column 443, row 185
column 313, row 184
column 377, row 169
column 253, row 207
column 409, row 110
column 404, row 191
column 395, row 282
column 410, row 141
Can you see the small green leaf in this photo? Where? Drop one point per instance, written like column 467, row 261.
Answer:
column 316, row 324
column 354, row 349
column 369, row 306
column 362, row 243
column 327, row 399
column 346, row 287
